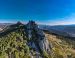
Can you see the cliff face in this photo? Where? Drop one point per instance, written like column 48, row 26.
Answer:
column 37, row 38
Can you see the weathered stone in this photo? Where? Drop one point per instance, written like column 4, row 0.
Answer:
column 37, row 37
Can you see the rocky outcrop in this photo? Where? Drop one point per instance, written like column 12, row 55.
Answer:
column 31, row 38
column 37, row 40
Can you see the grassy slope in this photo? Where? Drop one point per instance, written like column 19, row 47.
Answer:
column 61, row 47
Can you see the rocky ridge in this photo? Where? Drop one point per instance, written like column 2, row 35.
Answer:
column 34, row 38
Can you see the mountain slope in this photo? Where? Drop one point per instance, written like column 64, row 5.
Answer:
column 62, row 47
column 28, row 41
column 25, row 40
column 13, row 44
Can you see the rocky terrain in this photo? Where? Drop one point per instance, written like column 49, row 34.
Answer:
column 29, row 41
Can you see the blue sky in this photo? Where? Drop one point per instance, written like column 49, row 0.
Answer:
column 52, row 12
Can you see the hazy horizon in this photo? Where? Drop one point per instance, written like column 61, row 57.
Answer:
column 39, row 23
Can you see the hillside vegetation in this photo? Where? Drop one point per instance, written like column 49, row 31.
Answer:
column 13, row 45
column 61, row 47
column 28, row 41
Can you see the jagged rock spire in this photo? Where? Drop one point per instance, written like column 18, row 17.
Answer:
column 37, row 38
column 32, row 22
column 31, row 25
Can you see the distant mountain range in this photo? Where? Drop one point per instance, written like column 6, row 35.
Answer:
column 60, row 29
